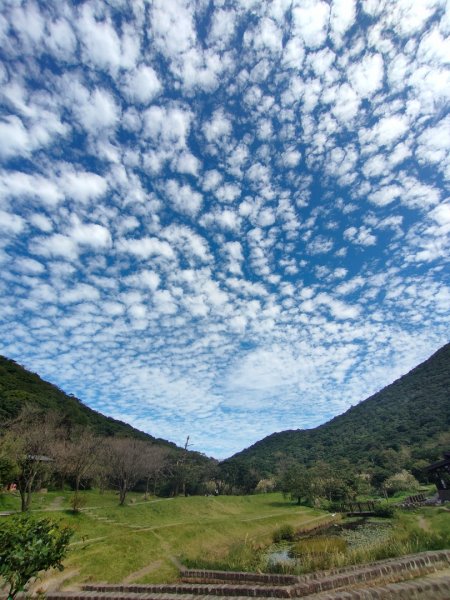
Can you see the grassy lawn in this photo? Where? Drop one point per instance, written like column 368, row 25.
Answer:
column 142, row 540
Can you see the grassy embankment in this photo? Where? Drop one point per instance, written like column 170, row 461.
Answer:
column 141, row 541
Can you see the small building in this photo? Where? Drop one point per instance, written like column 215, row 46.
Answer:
column 439, row 473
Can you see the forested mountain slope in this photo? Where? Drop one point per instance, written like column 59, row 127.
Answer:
column 404, row 425
column 19, row 386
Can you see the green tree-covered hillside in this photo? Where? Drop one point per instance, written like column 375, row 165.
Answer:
column 405, row 425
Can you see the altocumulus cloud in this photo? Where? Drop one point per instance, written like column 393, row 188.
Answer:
column 224, row 220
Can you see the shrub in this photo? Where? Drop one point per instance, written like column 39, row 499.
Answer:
column 403, row 481
column 28, row 546
column 385, row 511
column 285, row 533
column 77, row 502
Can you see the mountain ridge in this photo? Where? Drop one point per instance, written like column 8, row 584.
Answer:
column 18, row 386
column 408, row 415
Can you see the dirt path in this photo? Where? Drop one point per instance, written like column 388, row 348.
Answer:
column 56, row 503
column 153, row 566
column 423, row 523
column 52, row 581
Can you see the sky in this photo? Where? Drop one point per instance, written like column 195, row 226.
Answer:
column 224, row 219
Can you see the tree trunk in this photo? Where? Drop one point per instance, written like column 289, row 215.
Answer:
column 122, row 494
column 23, row 500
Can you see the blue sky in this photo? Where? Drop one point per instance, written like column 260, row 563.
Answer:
column 224, row 219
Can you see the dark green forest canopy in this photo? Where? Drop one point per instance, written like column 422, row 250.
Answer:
column 405, row 425
column 18, row 387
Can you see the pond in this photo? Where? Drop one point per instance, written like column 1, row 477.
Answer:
column 338, row 537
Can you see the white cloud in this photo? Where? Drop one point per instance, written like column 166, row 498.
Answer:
column 101, row 44
column 55, row 246
column 29, row 265
column 183, row 198
column 61, row 40
column 167, row 126
column 267, row 35
column 98, row 112
column 366, row 76
column 142, row 85
column 187, row 163
column 408, row 17
column 14, row 137
column 91, row 234
column 342, row 17
column 388, row 130
column 80, row 293
column 146, row 247
column 310, row 22
column 18, row 185
column 223, row 24
column 385, row 195
column 82, row 186
column 11, row 223
column 41, row 222
column 218, row 127
column 361, row 236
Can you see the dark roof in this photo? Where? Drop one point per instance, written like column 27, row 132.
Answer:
column 440, row 463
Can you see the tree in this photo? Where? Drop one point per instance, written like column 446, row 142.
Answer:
column 76, row 457
column 8, row 469
column 296, row 482
column 28, row 443
column 126, row 462
column 403, row 481
column 28, row 546
column 154, row 463
column 181, row 470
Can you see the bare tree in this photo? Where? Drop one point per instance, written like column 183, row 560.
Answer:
column 126, row 461
column 29, row 442
column 76, row 457
column 155, row 463
column 181, row 469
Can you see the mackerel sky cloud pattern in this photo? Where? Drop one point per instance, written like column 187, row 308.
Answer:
column 224, row 219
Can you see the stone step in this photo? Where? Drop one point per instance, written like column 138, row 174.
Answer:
column 412, row 561
column 194, row 589
column 117, row 596
column 386, row 571
column 357, row 579
column 382, row 572
column 426, row 588
column 435, row 558
column 206, row 576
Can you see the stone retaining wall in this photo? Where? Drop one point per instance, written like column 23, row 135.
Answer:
column 261, row 578
column 383, row 579
column 423, row 589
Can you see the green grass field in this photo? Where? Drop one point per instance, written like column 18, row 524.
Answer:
column 142, row 541
column 145, row 541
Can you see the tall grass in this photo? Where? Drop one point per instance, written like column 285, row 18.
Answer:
column 406, row 533
column 425, row 529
